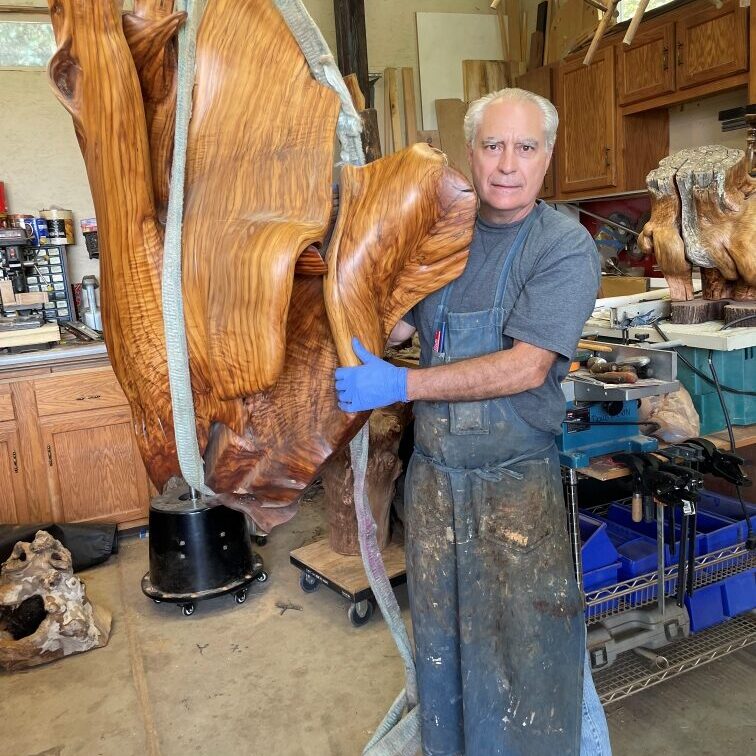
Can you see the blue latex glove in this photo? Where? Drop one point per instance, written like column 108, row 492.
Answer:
column 375, row 383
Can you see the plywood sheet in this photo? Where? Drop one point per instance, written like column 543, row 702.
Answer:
column 444, row 40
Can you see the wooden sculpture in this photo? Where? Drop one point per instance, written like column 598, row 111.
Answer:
column 703, row 212
column 274, row 288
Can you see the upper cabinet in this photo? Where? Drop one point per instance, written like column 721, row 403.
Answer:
column 646, row 68
column 586, row 147
column 711, row 44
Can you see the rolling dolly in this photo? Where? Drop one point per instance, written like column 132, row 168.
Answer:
column 345, row 575
column 198, row 552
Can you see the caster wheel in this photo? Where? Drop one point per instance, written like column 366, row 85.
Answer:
column 261, row 540
column 188, row 610
column 262, row 577
column 308, row 583
column 240, row 596
column 360, row 613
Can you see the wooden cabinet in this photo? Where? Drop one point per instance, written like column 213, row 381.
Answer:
column 93, row 467
column 711, row 45
column 646, row 68
column 587, row 109
column 68, row 451
column 12, row 492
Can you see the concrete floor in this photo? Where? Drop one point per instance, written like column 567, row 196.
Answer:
column 249, row 681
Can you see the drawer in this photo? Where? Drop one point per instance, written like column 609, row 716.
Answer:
column 74, row 392
column 6, row 405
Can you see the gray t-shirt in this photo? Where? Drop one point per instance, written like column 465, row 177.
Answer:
column 552, row 287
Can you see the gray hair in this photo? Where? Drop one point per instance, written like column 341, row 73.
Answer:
column 474, row 113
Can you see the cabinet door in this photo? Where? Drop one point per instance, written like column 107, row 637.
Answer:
column 587, row 141
column 12, row 492
column 646, row 68
column 94, row 468
column 711, row 44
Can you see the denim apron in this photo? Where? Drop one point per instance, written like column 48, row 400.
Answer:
column 496, row 611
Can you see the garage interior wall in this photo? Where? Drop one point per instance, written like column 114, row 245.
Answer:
column 40, row 161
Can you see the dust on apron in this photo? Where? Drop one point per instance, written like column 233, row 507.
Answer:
column 496, row 611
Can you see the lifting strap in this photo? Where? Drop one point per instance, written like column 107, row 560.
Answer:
column 396, row 735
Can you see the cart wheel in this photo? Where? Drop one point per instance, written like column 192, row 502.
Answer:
column 261, row 540
column 360, row 613
column 187, row 609
column 240, row 596
column 262, row 577
column 308, row 583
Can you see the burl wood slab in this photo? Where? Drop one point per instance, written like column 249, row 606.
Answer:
column 273, row 288
column 703, row 212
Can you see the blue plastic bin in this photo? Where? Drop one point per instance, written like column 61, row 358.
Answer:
column 728, row 506
column 597, row 550
column 705, row 607
column 712, row 531
column 739, row 593
column 600, row 578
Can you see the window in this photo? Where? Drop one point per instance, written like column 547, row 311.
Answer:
column 26, row 44
column 627, row 8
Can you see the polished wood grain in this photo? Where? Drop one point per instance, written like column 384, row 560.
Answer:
column 255, row 199
column 94, row 76
column 385, row 256
column 91, row 468
column 270, row 303
column 74, row 392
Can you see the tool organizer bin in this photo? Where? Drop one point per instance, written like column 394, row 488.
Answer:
column 728, row 507
column 597, row 550
column 739, row 593
column 712, row 531
column 735, row 369
column 705, row 607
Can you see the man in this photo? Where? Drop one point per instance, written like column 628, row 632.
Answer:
column 496, row 611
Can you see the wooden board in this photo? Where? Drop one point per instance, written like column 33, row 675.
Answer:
column 450, row 115
column 347, row 572
column 514, row 20
column 444, row 40
column 23, row 336
column 568, row 21
column 483, row 76
column 410, row 105
column 392, row 85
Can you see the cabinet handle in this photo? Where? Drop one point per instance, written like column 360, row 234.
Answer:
column 14, row 456
column 607, row 159
column 49, row 455
column 665, row 59
column 679, row 53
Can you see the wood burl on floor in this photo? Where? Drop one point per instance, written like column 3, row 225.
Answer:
column 274, row 289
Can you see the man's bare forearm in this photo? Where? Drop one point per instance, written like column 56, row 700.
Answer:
column 521, row 368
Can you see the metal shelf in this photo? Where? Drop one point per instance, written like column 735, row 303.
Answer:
column 631, row 673
column 642, row 590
